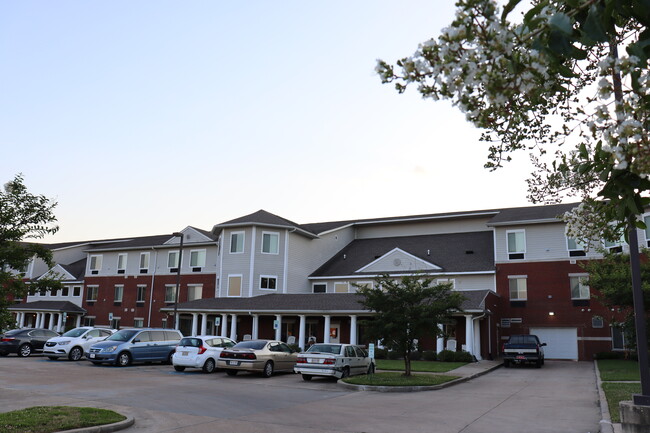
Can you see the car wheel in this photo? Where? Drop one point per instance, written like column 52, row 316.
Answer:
column 179, row 368
column 25, row 350
column 539, row 363
column 506, row 363
column 268, row 369
column 371, row 369
column 231, row 372
column 123, row 359
column 52, row 358
column 209, row 366
column 75, row 354
column 169, row 358
column 346, row 372
column 542, row 361
column 96, row 363
column 306, row 377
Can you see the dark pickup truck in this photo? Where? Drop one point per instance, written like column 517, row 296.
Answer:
column 520, row 349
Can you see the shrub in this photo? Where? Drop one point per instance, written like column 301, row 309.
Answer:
column 463, row 357
column 609, row 355
column 416, row 356
column 447, row 356
column 381, row 354
column 429, row 355
column 393, row 355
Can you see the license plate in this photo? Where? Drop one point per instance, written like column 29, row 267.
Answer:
column 521, row 357
column 184, row 353
column 233, row 362
column 92, row 355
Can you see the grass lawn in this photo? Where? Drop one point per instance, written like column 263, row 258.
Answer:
column 47, row 419
column 617, row 392
column 396, row 379
column 618, row 369
column 424, row 366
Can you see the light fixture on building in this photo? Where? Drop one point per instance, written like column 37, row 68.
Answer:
column 550, row 313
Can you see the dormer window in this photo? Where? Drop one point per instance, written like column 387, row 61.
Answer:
column 516, row 244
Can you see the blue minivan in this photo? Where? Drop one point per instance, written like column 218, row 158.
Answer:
column 135, row 345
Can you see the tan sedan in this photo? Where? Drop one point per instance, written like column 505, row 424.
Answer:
column 258, row 356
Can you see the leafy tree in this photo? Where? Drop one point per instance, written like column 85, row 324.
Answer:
column 22, row 216
column 407, row 310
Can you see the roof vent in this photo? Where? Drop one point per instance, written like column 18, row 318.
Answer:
column 469, row 251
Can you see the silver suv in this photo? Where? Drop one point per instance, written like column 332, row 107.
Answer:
column 74, row 343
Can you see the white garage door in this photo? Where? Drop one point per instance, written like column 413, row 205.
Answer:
column 561, row 343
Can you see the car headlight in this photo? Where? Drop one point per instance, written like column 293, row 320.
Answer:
column 63, row 343
column 109, row 349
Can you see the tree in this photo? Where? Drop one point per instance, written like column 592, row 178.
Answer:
column 569, row 82
column 407, row 310
column 22, row 216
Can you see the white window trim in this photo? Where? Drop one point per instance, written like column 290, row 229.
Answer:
column 269, row 276
column 277, row 235
column 173, row 286
column 89, row 289
column 72, row 291
column 243, row 249
column 579, row 275
column 580, row 247
column 98, row 258
column 447, row 280
column 241, row 287
column 342, row 282
column 191, row 287
column 518, row 277
column 126, row 258
column 148, row 255
column 138, row 287
column 645, row 232
column 169, row 253
column 516, row 252
column 315, row 284
column 121, row 293
column 204, row 258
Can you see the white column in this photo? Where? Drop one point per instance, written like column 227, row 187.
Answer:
column 353, row 329
column 177, row 320
column 469, row 334
column 51, row 325
column 477, row 339
column 278, row 332
column 326, row 335
column 233, row 327
column 195, row 324
column 78, row 321
column 301, row 333
column 204, row 324
column 256, row 327
column 59, row 324
column 20, row 320
column 440, row 341
column 40, row 319
column 224, row 325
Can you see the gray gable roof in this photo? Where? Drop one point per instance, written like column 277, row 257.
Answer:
column 56, row 306
column 453, row 252
column 76, row 269
column 264, row 218
column 531, row 214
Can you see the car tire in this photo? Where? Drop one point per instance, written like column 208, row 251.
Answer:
column 169, row 361
column 346, row 372
column 209, row 366
column 96, row 363
column 306, row 377
column 52, row 358
column 123, row 359
column 25, row 350
column 268, row 369
column 539, row 363
column 75, row 354
column 231, row 372
column 542, row 361
column 179, row 368
column 371, row 369
column 506, row 363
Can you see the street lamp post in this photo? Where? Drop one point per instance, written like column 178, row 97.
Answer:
column 178, row 278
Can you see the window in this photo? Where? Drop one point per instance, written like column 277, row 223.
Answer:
column 363, row 284
column 447, row 281
column 138, row 322
column 268, row 282
column 237, row 242
column 65, row 291
column 234, row 285
column 172, row 261
column 579, row 287
column 119, row 292
column 615, row 246
column 270, row 243
column 319, row 288
column 170, row 293
column 646, row 220
column 76, row 291
column 618, row 338
column 89, row 321
column 597, row 322
column 142, row 294
column 340, row 287
column 576, row 249
column 121, row 263
column 194, row 291
column 516, row 244
column 95, row 264
column 197, row 259
column 144, row 263
column 91, row 294
column 518, row 289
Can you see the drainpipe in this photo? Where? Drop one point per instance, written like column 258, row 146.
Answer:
column 153, row 276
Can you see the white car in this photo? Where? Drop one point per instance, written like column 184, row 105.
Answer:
column 333, row 360
column 74, row 343
column 200, row 352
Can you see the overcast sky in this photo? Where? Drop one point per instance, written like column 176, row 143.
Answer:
column 145, row 117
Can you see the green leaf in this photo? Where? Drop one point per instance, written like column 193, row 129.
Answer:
column 562, row 23
column 594, row 27
column 509, row 8
column 559, row 44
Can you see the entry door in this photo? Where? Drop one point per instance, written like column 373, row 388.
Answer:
column 335, row 333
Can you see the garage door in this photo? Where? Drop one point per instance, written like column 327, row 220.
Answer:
column 561, row 343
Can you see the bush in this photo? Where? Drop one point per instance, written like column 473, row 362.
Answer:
column 381, row 354
column 463, row 357
column 416, row 356
column 447, row 356
column 429, row 355
column 393, row 355
column 609, row 355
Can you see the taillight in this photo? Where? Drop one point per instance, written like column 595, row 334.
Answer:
column 224, row 354
column 503, row 347
column 301, row 360
column 8, row 339
column 329, row 361
column 202, row 350
column 249, row 356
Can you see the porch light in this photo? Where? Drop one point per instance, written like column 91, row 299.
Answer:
column 550, row 313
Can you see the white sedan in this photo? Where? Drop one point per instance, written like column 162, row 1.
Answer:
column 333, row 360
column 200, row 352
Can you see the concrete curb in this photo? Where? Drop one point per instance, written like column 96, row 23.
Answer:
column 106, row 428
column 606, row 425
column 416, row 388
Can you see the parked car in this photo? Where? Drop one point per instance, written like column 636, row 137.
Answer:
column 135, row 345
column 200, row 352
column 333, row 360
column 74, row 343
column 25, row 341
column 520, row 349
column 258, row 356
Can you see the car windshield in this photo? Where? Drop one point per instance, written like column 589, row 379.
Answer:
column 255, row 345
column 77, row 332
column 326, row 348
column 123, row 335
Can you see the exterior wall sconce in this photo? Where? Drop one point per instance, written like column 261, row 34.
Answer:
column 550, row 313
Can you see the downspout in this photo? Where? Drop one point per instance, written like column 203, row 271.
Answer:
column 153, row 276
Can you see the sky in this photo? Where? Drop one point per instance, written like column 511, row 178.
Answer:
column 141, row 118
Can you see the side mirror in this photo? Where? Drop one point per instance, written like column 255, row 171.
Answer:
column 543, row 344
column 135, row 340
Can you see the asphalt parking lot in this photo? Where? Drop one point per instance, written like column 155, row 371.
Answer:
column 561, row 397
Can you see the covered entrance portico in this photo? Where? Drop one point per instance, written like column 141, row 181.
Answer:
column 57, row 316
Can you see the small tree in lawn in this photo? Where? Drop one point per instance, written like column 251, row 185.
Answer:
column 22, row 216
column 407, row 309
